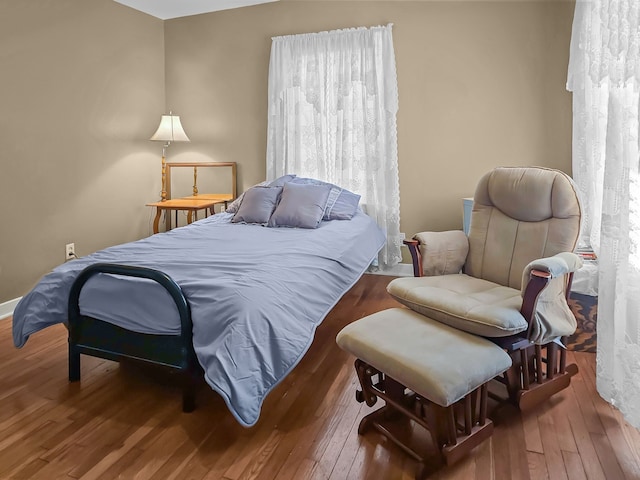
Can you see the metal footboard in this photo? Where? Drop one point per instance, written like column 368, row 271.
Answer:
column 91, row 336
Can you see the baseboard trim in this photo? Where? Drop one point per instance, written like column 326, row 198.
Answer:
column 7, row 308
column 399, row 270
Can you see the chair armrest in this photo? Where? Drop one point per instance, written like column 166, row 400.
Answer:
column 558, row 271
column 416, row 257
column 556, row 266
column 438, row 253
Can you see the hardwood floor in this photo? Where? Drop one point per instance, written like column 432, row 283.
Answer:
column 123, row 421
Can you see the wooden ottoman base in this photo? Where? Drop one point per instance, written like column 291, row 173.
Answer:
column 427, row 372
column 455, row 430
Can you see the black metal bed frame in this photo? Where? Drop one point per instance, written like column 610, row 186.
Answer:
column 91, row 336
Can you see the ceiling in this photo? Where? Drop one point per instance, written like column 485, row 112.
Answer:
column 166, row 9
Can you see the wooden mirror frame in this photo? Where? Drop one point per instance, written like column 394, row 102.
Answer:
column 195, row 166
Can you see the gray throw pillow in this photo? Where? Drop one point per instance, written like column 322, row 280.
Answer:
column 300, row 206
column 278, row 182
column 345, row 206
column 341, row 204
column 233, row 206
column 257, row 205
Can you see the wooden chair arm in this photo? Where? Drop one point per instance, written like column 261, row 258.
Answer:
column 416, row 256
column 567, row 292
column 538, row 280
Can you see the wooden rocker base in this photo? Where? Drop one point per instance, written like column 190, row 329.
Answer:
column 538, row 372
column 539, row 393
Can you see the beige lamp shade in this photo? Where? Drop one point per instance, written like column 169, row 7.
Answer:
column 170, row 130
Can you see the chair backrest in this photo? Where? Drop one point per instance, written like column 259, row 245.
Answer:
column 520, row 214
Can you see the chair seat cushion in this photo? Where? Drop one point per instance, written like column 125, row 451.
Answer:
column 467, row 303
column 437, row 362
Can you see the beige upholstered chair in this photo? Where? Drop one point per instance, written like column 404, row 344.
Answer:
column 509, row 279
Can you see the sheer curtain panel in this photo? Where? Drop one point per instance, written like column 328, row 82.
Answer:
column 333, row 99
column 604, row 76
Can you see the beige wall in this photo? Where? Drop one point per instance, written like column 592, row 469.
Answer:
column 481, row 84
column 83, row 83
column 81, row 91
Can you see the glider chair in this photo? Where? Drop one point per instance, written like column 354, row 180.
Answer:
column 492, row 305
column 509, row 280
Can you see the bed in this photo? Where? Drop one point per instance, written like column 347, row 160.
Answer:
column 238, row 302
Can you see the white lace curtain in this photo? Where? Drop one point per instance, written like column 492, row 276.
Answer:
column 604, row 76
column 333, row 98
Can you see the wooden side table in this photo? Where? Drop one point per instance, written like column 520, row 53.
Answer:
column 189, row 205
column 217, row 197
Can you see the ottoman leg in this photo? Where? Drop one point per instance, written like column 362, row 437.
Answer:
column 460, row 427
column 365, row 373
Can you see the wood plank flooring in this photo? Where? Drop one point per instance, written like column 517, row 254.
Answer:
column 124, row 421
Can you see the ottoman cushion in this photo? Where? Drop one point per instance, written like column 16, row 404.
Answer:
column 434, row 360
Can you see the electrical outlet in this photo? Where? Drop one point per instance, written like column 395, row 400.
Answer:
column 402, row 236
column 70, row 251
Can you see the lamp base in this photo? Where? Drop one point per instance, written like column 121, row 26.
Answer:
column 163, row 194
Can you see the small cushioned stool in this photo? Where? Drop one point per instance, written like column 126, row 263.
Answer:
column 427, row 371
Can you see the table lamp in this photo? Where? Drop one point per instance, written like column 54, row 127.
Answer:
column 169, row 130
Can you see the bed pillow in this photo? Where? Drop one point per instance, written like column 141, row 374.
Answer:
column 345, row 206
column 300, row 206
column 278, row 182
column 258, row 204
column 311, row 181
column 233, row 206
column 341, row 204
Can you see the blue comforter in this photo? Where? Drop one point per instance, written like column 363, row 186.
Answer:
column 256, row 294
